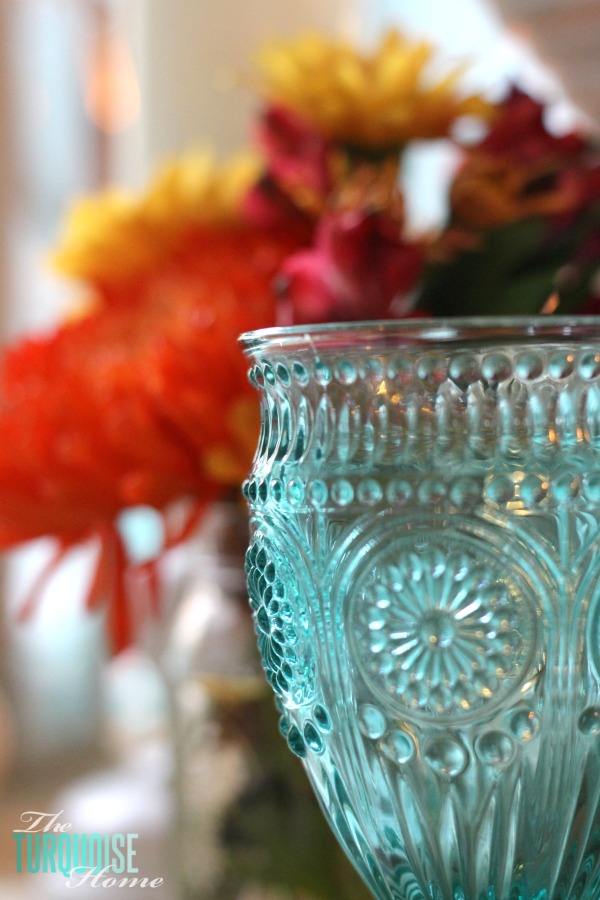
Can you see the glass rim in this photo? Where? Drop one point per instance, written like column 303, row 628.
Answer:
column 424, row 331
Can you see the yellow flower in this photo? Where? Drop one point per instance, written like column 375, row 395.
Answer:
column 194, row 191
column 115, row 236
column 106, row 238
column 378, row 101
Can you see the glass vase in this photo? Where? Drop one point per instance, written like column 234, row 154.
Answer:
column 424, row 574
column 240, row 799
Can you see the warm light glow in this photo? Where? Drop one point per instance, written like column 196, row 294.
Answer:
column 551, row 304
column 112, row 91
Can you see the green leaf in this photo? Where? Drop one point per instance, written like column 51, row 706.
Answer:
column 512, row 273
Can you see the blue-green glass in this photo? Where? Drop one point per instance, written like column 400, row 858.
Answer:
column 424, row 569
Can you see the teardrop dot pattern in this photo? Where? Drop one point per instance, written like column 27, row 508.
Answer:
column 281, row 621
column 383, row 409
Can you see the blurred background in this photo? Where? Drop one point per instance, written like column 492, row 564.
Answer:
column 97, row 92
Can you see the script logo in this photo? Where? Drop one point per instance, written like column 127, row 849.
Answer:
column 99, row 860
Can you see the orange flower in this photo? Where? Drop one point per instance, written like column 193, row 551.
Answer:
column 491, row 192
column 519, row 170
column 134, row 403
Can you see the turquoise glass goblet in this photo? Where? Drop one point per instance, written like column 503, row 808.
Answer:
column 424, row 570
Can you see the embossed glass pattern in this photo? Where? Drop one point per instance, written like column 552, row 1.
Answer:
column 424, row 570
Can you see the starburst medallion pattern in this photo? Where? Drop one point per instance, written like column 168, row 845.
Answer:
column 440, row 629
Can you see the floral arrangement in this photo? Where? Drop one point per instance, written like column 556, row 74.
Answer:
column 141, row 397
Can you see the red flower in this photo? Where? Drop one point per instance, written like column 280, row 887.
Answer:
column 520, row 133
column 267, row 206
column 360, row 268
column 298, row 156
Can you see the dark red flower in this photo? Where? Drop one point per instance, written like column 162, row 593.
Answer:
column 298, row 156
column 520, row 132
column 359, row 268
column 267, row 206
column 521, row 170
